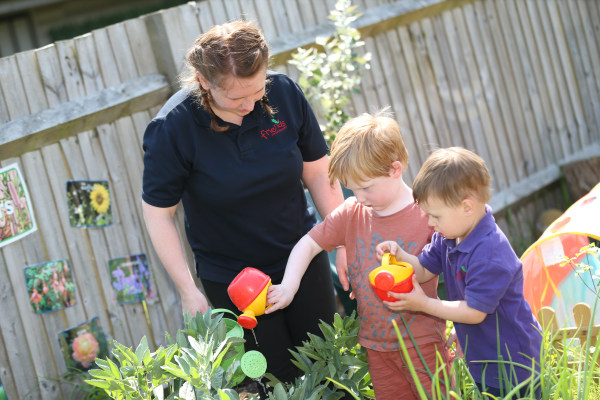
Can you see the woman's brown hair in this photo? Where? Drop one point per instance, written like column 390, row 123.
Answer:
column 236, row 49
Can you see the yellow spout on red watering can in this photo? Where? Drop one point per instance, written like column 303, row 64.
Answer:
column 248, row 291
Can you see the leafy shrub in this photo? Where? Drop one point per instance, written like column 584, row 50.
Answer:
column 329, row 76
column 203, row 362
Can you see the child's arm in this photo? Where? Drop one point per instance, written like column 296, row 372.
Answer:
column 417, row 300
column 422, row 273
column 280, row 296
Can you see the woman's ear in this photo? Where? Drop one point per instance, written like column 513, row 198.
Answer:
column 203, row 82
column 396, row 169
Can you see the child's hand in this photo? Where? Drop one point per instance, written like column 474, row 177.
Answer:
column 278, row 297
column 389, row 247
column 413, row 301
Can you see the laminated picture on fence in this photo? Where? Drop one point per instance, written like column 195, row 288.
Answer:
column 131, row 279
column 2, row 392
column 82, row 344
column 16, row 213
column 50, row 286
column 89, row 204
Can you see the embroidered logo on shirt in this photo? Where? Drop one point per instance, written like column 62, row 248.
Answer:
column 461, row 274
column 275, row 129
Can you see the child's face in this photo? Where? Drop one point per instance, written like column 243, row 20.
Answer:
column 452, row 222
column 377, row 193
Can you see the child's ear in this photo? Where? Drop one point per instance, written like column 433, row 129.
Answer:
column 396, row 169
column 468, row 205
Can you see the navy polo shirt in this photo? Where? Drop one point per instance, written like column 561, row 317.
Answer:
column 241, row 189
column 484, row 270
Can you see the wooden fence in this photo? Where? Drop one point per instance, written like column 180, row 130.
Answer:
column 583, row 330
column 517, row 81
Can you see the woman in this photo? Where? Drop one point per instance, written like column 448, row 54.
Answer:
column 234, row 145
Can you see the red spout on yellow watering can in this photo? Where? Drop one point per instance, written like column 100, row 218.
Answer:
column 248, row 291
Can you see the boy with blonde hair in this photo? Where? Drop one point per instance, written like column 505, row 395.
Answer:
column 483, row 275
column 368, row 156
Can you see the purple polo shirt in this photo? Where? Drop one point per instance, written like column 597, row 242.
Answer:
column 484, row 270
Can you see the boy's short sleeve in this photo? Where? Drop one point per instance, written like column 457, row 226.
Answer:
column 431, row 255
column 330, row 233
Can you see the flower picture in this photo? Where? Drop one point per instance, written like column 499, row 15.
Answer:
column 50, row 286
column 89, row 203
column 82, row 345
column 2, row 392
column 130, row 278
column 16, row 213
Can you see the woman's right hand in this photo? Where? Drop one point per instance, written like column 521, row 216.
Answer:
column 194, row 302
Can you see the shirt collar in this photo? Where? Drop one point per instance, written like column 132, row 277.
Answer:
column 481, row 230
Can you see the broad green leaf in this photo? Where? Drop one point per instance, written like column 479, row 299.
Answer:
column 98, row 383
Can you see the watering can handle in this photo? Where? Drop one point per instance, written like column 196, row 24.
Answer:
column 388, row 259
column 385, row 260
column 224, row 310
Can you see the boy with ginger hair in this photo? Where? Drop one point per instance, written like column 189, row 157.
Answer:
column 368, row 156
column 483, row 275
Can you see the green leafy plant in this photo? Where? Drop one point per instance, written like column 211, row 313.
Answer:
column 328, row 76
column 203, row 362
column 334, row 365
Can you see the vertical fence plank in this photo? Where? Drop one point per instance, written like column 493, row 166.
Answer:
column 295, row 18
column 464, row 135
column 427, row 130
column 385, row 46
column 439, row 77
column 415, row 127
column 17, row 369
column 581, row 65
column 508, row 110
column 5, row 367
column 497, row 136
column 589, row 50
column 424, row 53
column 470, row 86
column 76, row 240
column 516, row 89
column 472, row 79
column 123, row 240
column 168, row 297
column 543, row 87
column 528, row 94
column 567, row 129
column 566, row 73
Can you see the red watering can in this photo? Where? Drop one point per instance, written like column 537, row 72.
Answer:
column 248, row 291
column 391, row 276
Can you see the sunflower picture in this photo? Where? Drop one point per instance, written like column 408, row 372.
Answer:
column 89, row 203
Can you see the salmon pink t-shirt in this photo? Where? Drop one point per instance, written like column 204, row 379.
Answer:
column 361, row 229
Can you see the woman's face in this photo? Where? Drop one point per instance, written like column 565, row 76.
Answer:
column 236, row 96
